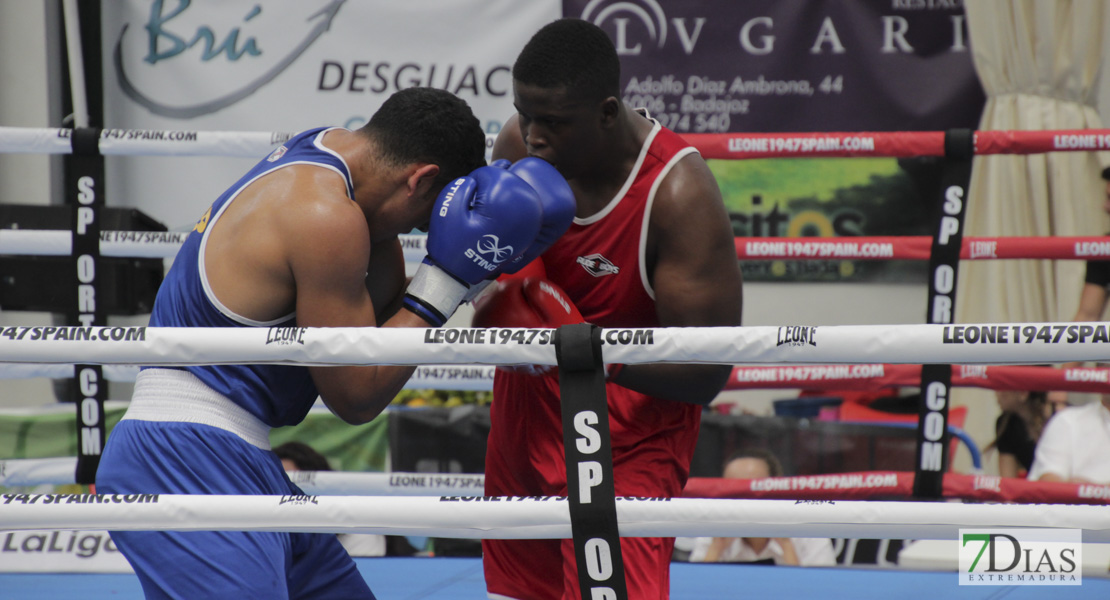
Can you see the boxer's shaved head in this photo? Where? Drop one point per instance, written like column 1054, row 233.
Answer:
column 572, row 54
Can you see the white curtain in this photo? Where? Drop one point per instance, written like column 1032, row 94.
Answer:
column 1039, row 63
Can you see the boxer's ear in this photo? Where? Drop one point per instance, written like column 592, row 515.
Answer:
column 609, row 111
column 421, row 180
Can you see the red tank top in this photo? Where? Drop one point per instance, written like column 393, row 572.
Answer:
column 600, row 264
column 599, row 261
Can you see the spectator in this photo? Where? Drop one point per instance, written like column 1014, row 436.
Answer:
column 1074, row 446
column 299, row 456
column 1092, row 299
column 806, row 552
column 1018, row 428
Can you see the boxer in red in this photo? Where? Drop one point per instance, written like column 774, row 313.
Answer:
column 650, row 246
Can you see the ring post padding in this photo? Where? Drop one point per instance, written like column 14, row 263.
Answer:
column 589, row 459
column 85, row 194
column 944, row 264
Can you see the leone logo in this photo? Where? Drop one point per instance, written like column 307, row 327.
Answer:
column 285, row 336
column 298, row 500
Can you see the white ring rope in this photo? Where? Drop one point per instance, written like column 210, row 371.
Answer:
column 29, row 472
column 452, row 377
column 345, row 483
column 136, row 244
column 148, row 142
column 426, row 377
column 244, row 144
column 534, row 517
column 865, row 485
column 59, row 242
column 63, row 371
column 1005, row 343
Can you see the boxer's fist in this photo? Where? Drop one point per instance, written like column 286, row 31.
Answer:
column 525, row 302
column 529, row 302
column 479, row 224
column 493, row 218
column 558, row 205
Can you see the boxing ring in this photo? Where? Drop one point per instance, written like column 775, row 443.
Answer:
column 345, row 503
column 461, row 578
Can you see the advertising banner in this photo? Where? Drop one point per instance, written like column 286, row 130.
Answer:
column 285, row 66
column 60, row 551
column 700, row 66
column 715, row 66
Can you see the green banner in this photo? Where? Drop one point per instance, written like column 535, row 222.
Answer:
column 829, row 197
column 51, row 433
column 48, row 434
column 347, row 447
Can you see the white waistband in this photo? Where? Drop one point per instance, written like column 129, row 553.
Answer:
column 174, row 395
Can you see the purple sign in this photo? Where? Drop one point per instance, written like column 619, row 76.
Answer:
column 715, row 66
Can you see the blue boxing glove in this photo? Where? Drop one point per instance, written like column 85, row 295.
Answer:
column 479, row 224
column 558, row 205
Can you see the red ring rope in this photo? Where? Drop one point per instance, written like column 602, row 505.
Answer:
column 918, row 247
column 876, row 376
column 899, row 144
column 887, row 485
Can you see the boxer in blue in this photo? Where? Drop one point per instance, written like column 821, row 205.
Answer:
column 307, row 238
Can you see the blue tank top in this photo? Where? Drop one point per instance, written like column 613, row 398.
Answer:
column 278, row 395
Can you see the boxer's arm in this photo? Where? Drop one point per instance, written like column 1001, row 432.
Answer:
column 329, row 254
column 509, row 143
column 385, row 278
column 696, row 277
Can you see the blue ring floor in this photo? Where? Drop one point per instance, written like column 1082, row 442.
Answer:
column 461, row 578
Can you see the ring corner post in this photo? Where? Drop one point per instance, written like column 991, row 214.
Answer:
column 589, row 461
column 932, row 428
